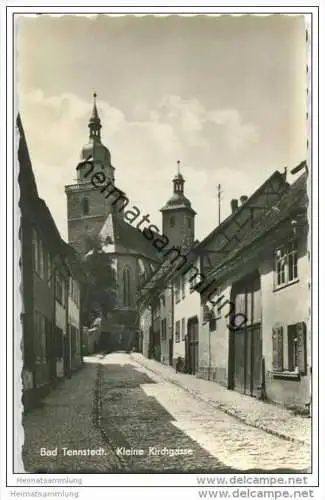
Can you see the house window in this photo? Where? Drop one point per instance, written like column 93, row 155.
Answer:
column 183, row 282
column 277, row 349
column 39, row 336
column 172, row 221
column 212, row 324
column 189, row 222
column 297, row 355
column 59, row 291
column 177, row 331
column 41, row 258
column 126, row 287
column 162, row 300
column 73, row 333
column 163, row 329
column 286, row 264
column 39, row 255
column 177, row 291
column 195, row 279
column 35, row 250
column 183, row 328
column 289, row 350
column 59, row 342
column 142, row 271
column 76, row 293
column 49, row 269
column 85, row 206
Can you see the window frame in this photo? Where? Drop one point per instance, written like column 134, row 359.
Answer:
column 288, row 250
column 177, row 291
column 85, row 206
column 127, row 295
column 183, row 329
column 183, row 287
column 291, row 362
column 163, row 329
column 177, row 331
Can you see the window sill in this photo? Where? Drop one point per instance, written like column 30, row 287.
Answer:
column 286, row 375
column 285, row 285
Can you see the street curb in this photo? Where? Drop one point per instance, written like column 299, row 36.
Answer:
column 220, row 406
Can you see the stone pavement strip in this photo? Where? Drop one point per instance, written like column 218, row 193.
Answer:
column 271, row 418
column 66, row 419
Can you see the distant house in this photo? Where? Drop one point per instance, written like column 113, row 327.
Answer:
column 45, row 289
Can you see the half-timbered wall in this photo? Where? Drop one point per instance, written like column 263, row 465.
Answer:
column 229, row 235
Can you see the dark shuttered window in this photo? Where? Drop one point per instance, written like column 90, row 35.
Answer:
column 297, row 352
column 277, row 348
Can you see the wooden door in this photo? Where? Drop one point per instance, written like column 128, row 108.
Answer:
column 239, row 360
column 171, row 352
column 193, row 340
column 245, row 361
column 257, row 372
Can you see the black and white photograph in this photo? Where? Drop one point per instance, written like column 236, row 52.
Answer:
column 164, row 196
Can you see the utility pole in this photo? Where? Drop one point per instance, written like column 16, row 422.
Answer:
column 219, row 203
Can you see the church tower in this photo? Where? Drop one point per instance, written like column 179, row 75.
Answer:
column 87, row 206
column 178, row 215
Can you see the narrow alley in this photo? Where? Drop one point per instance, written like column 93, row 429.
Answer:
column 133, row 420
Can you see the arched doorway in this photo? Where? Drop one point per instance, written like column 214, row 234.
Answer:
column 245, row 337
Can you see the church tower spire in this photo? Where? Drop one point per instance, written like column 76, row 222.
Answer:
column 178, row 215
column 94, row 122
column 178, row 181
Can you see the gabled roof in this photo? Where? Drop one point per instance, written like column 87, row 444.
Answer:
column 293, row 204
column 26, row 178
column 38, row 210
column 276, row 176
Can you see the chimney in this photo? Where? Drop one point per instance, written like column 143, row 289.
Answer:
column 243, row 198
column 234, row 205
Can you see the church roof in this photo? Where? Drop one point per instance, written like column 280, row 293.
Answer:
column 97, row 151
column 178, row 200
column 118, row 236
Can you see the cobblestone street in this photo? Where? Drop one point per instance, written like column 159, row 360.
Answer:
column 114, row 405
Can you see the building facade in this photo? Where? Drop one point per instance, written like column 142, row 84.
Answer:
column 43, row 260
column 256, row 322
column 235, row 310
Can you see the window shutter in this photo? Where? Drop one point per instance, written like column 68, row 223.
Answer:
column 277, row 348
column 301, row 347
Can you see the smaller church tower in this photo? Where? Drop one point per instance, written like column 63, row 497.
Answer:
column 178, row 215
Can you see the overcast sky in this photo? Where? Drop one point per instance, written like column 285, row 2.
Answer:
column 224, row 95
